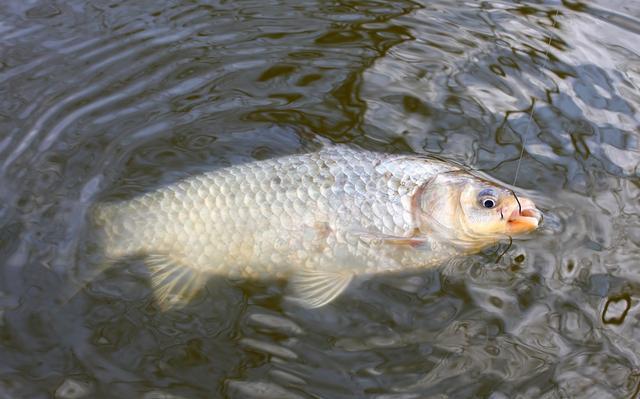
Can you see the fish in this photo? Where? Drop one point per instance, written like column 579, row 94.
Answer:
column 316, row 220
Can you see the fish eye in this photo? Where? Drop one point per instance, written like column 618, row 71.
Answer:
column 488, row 202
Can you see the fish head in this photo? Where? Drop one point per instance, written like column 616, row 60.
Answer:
column 475, row 212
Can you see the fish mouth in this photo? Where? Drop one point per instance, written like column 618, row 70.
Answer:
column 524, row 221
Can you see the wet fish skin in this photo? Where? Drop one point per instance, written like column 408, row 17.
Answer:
column 318, row 219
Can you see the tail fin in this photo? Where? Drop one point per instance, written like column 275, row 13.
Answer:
column 100, row 248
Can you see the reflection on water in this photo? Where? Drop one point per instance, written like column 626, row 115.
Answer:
column 106, row 99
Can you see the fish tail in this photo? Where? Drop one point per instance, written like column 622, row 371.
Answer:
column 101, row 220
column 92, row 259
column 105, row 240
column 113, row 231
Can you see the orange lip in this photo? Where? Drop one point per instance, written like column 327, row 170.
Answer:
column 525, row 221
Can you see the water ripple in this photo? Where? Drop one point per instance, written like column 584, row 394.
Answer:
column 110, row 100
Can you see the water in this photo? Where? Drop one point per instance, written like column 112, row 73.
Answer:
column 111, row 98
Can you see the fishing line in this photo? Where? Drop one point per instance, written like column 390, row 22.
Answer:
column 526, row 134
column 533, row 103
column 506, row 250
column 517, row 200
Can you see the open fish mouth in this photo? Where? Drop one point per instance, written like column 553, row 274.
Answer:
column 524, row 221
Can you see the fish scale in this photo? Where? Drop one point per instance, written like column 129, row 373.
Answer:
column 322, row 217
column 239, row 188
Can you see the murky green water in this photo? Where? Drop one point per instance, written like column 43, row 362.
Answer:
column 112, row 98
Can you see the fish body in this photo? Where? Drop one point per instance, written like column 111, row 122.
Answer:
column 317, row 219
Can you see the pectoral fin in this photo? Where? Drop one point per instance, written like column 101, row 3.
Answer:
column 372, row 239
column 314, row 289
column 174, row 284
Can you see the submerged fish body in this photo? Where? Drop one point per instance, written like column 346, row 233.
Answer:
column 317, row 219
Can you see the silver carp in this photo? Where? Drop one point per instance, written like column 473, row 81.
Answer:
column 316, row 219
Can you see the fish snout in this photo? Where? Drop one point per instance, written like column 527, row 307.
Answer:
column 524, row 217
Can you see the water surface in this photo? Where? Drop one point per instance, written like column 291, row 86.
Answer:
column 108, row 99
